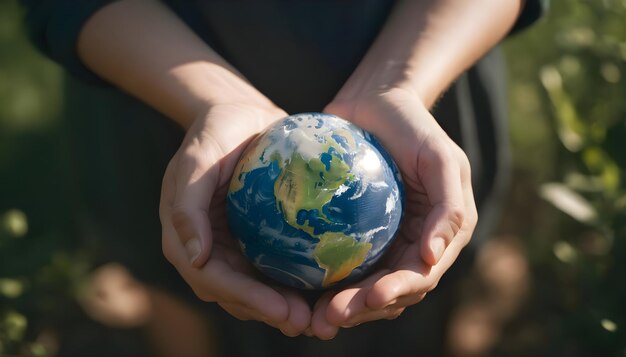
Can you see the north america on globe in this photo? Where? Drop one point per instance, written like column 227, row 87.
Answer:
column 314, row 201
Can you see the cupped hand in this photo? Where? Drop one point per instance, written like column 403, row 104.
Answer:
column 196, row 239
column 439, row 212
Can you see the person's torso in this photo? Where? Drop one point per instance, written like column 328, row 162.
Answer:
column 298, row 53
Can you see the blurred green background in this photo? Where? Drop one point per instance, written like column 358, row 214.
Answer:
column 565, row 213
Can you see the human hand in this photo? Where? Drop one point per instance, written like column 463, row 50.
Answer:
column 439, row 218
column 196, row 239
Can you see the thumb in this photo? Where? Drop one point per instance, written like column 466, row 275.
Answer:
column 195, row 183
column 441, row 177
column 441, row 226
column 193, row 229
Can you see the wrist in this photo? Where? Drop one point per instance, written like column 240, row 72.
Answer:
column 146, row 50
column 240, row 116
column 426, row 45
column 207, row 86
column 377, row 78
column 378, row 89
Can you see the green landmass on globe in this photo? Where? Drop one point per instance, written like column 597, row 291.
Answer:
column 339, row 254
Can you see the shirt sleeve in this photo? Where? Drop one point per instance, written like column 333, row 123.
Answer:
column 54, row 26
column 533, row 10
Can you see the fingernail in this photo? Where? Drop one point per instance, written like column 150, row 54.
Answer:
column 437, row 246
column 193, row 248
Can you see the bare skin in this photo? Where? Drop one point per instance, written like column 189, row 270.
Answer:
column 143, row 48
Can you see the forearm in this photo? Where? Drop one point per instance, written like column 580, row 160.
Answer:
column 426, row 44
column 143, row 48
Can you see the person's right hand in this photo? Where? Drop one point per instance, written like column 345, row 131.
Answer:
column 196, row 238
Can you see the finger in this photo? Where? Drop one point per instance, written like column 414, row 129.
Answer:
column 408, row 282
column 471, row 215
column 446, row 261
column 351, row 301
column 320, row 326
column 232, row 286
column 217, row 281
column 346, row 304
column 299, row 317
column 440, row 228
column 409, row 286
column 261, row 302
column 440, row 174
column 168, row 190
column 464, row 234
column 196, row 179
column 240, row 312
column 389, row 313
column 244, row 313
column 406, row 301
column 462, row 237
column 165, row 207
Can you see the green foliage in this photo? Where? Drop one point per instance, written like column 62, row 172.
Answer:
column 41, row 269
column 576, row 75
column 36, row 286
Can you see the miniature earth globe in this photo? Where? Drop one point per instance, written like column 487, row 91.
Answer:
column 314, row 201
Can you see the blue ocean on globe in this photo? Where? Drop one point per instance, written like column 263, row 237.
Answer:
column 314, row 201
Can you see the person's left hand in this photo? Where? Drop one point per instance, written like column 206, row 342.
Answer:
column 196, row 237
column 439, row 218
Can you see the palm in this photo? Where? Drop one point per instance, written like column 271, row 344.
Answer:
column 226, row 255
column 417, row 208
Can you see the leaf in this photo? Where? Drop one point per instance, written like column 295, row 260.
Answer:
column 608, row 325
column 599, row 162
column 569, row 201
column 565, row 252
column 14, row 324
column 14, row 222
column 11, row 288
column 571, row 129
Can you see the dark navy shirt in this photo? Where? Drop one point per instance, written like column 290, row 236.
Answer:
column 296, row 52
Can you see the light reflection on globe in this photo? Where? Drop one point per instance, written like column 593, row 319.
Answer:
column 314, row 201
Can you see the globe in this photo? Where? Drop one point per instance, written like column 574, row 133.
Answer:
column 314, row 201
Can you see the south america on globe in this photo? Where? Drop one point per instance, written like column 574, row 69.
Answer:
column 314, row 201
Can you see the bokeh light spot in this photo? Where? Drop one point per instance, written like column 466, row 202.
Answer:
column 15, row 223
